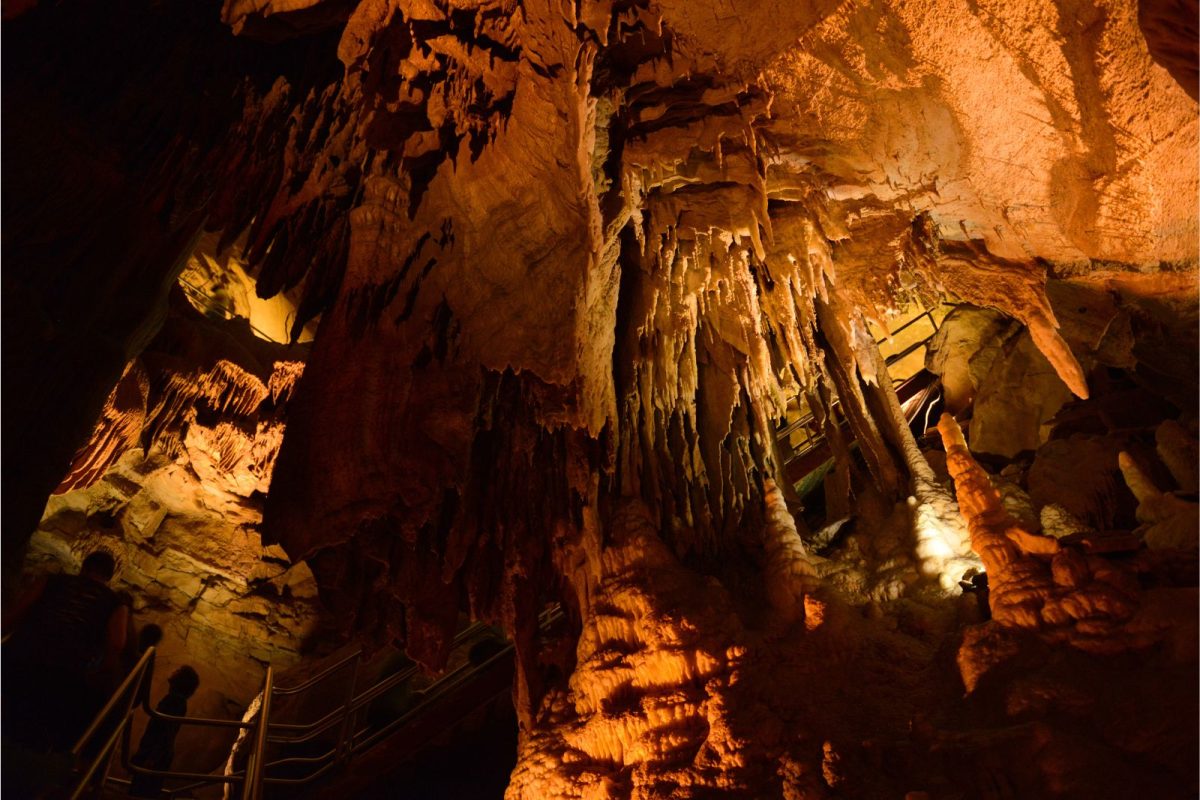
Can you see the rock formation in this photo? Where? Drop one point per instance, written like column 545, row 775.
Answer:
column 574, row 265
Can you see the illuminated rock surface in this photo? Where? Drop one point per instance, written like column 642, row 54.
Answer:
column 574, row 263
column 171, row 483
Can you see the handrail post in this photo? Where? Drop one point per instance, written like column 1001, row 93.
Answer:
column 252, row 788
column 133, row 677
column 129, row 690
column 344, row 750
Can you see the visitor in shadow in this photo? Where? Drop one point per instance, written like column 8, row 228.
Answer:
column 149, row 635
column 66, row 631
column 156, row 750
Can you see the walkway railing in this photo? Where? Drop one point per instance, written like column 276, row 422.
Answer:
column 805, row 424
column 262, row 732
column 94, row 770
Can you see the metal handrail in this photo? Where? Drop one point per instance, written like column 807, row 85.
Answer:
column 135, row 674
column 310, row 730
column 317, row 727
column 320, row 676
column 102, row 757
column 305, row 731
column 199, row 295
column 359, row 700
column 363, row 739
column 926, row 313
column 204, row 722
column 386, row 684
column 199, row 779
column 278, row 690
column 253, row 785
column 446, row 684
column 895, row 358
column 128, row 691
column 202, row 778
column 452, row 680
column 350, row 742
column 439, row 689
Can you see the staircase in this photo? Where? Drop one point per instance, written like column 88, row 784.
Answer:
column 804, row 447
column 344, row 752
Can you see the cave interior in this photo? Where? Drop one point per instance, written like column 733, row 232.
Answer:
column 648, row 398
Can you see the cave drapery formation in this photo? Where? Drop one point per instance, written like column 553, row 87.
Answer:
column 572, row 261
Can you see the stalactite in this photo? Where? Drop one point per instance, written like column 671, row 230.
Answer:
column 844, row 368
column 188, row 393
column 119, row 428
column 943, row 541
column 971, row 274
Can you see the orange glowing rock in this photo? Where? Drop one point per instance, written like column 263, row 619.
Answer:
column 1054, row 591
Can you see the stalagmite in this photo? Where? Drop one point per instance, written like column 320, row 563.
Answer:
column 790, row 573
column 1171, row 522
column 943, row 541
column 1037, row 584
column 646, row 707
column 1178, row 450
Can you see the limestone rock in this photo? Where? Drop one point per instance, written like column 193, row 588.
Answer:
column 1081, row 475
column 963, row 350
column 171, row 483
column 1056, row 521
column 1178, row 450
column 1017, row 398
column 1171, row 522
column 987, row 360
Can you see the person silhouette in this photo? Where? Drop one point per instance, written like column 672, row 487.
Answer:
column 156, row 750
column 65, row 630
column 149, row 635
